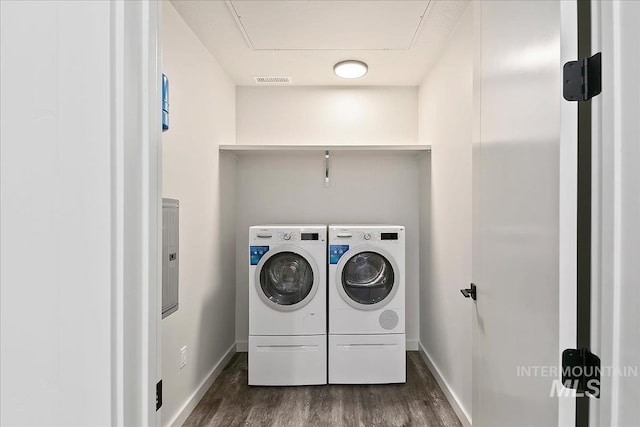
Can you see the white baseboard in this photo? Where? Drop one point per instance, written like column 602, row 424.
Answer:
column 193, row 400
column 412, row 345
column 462, row 414
column 242, row 346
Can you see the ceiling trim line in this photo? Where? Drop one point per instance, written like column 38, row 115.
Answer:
column 238, row 19
column 423, row 19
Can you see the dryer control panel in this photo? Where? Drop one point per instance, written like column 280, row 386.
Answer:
column 367, row 235
column 288, row 235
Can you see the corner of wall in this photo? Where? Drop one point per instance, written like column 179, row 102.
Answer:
column 445, row 122
column 203, row 180
column 457, row 405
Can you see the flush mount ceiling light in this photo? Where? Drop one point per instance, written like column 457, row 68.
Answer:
column 350, row 69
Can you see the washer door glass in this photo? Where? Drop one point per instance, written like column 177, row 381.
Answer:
column 286, row 278
column 367, row 278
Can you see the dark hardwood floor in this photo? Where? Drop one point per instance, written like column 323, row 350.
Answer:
column 231, row 402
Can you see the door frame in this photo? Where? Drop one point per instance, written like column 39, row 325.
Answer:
column 615, row 186
column 586, row 245
column 568, row 290
column 136, row 195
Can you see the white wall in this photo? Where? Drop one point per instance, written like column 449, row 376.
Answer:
column 424, row 223
column 56, row 223
column 372, row 187
column 321, row 115
column 615, row 290
column 445, row 122
column 202, row 116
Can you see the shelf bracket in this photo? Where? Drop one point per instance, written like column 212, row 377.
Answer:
column 326, row 168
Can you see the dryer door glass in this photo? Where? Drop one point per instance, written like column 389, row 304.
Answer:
column 367, row 278
column 286, row 278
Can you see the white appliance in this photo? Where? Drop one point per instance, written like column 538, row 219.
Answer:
column 367, row 304
column 287, row 305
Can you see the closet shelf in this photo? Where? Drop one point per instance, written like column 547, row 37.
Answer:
column 322, row 148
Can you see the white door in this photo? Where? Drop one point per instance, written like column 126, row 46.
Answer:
column 517, row 212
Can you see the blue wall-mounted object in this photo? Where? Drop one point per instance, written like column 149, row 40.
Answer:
column 165, row 103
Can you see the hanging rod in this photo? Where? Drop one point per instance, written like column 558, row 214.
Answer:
column 326, row 168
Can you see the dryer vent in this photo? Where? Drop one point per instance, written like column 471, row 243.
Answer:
column 271, row 80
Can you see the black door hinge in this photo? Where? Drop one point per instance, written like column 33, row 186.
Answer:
column 581, row 371
column 582, row 80
column 159, row 395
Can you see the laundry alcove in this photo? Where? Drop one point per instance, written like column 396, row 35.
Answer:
column 240, row 155
column 366, row 187
column 328, row 155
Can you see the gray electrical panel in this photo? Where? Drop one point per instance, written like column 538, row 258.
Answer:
column 170, row 258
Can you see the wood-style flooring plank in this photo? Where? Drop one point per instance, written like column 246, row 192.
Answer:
column 231, row 402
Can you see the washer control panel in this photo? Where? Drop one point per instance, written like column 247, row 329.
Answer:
column 278, row 235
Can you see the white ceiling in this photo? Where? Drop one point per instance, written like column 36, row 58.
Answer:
column 303, row 39
column 329, row 25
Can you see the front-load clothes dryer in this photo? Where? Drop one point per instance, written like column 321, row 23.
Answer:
column 287, row 305
column 366, row 304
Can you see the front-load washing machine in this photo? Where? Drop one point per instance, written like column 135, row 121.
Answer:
column 287, row 305
column 366, row 304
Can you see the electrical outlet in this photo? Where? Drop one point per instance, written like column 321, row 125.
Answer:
column 183, row 357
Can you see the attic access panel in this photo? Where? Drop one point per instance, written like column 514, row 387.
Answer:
column 329, row 24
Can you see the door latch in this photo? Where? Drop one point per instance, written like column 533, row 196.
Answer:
column 469, row 292
column 159, row 395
